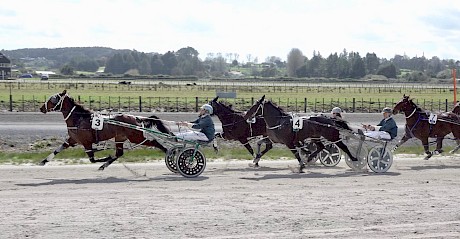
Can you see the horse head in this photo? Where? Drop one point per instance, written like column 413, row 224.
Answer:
column 54, row 102
column 405, row 105
column 252, row 112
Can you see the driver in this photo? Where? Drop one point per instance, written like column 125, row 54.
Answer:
column 386, row 129
column 204, row 124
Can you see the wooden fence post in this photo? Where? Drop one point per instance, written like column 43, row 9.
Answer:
column 140, row 103
column 353, row 106
column 446, row 105
column 196, row 104
column 305, row 105
column 11, row 102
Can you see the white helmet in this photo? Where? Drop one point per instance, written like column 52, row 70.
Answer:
column 387, row 110
column 208, row 108
column 336, row 110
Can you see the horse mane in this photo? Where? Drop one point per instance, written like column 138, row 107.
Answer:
column 155, row 120
column 283, row 113
column 341, row 123
column 221, row 103
column 417, row 108
column 78, row 107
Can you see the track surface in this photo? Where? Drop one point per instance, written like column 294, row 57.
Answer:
column 414, row 199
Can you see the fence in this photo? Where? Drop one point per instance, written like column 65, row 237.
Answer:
column 19, row 103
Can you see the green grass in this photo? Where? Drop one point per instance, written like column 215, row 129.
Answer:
column 30, row 96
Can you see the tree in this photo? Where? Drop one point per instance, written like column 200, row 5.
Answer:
column 315, row 65
column 434, row 66
column 295, row 60
column 332, row 66
column 372, row 63
column 358, row 69
column 67, row 70
column 156, row 65
column 387, row 70
column 344, row 65
column 170, row 61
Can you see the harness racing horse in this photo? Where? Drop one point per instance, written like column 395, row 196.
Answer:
column 79, row 127
column 235, row 127
column 280, row 129
column 418, row 125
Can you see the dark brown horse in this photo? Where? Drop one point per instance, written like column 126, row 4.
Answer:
column 456, row 109
column 80, row 130
column 235, row 127
column 418, row 125
column 280, row 129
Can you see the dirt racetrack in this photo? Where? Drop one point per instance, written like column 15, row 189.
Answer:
column 414, row 199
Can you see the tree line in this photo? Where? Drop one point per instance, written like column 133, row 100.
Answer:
column 186, row 61
column 352, row 65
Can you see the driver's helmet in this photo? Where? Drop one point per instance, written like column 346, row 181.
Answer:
column 208, row 108
column 336, row 110
column 387, row 110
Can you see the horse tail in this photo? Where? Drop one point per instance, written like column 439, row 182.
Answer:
column 155, row 120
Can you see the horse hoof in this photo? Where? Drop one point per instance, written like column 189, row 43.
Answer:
column 101, row 168
column 42, row 163
column 253, row 165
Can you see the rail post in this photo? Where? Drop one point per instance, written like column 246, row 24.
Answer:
column 196, row 104
column 446, row 104
column 305, row 105
column 140, row 103
column 353, row 106
column 11, row 102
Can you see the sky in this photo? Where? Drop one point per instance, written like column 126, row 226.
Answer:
column 243, row 28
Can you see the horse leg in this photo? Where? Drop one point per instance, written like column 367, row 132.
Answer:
column 438, row 149
column 426, row 146
column 319, row 148
column 69, row 142
column 268, row 146
column 402, row 141
column 246, row 144
column 299, row 159
column 119, row 153
column 345, row 149
column 456, row 148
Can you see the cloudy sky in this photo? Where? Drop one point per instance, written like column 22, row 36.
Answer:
column 259, row 28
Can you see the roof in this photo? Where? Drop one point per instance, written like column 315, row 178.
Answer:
column 3, row 59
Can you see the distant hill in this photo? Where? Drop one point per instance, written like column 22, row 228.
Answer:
column 62, row 55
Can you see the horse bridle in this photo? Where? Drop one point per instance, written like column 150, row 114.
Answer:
column 58, row 102
column 261, row 104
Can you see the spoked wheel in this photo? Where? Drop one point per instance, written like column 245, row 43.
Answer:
column 362, row 157
column 379, row 159
column 191, row 162
column 311, row 147
column 170, row 158
column 330, row 156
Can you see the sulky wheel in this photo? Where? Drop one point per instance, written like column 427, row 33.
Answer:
column 379, row 159
column 362, row 158
column 191, row 162
column 330, row 155
column 170, row 158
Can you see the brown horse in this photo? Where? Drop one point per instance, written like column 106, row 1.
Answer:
column 418, row 125
column 280, row 129
column 235, row 127
column 80, row 130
